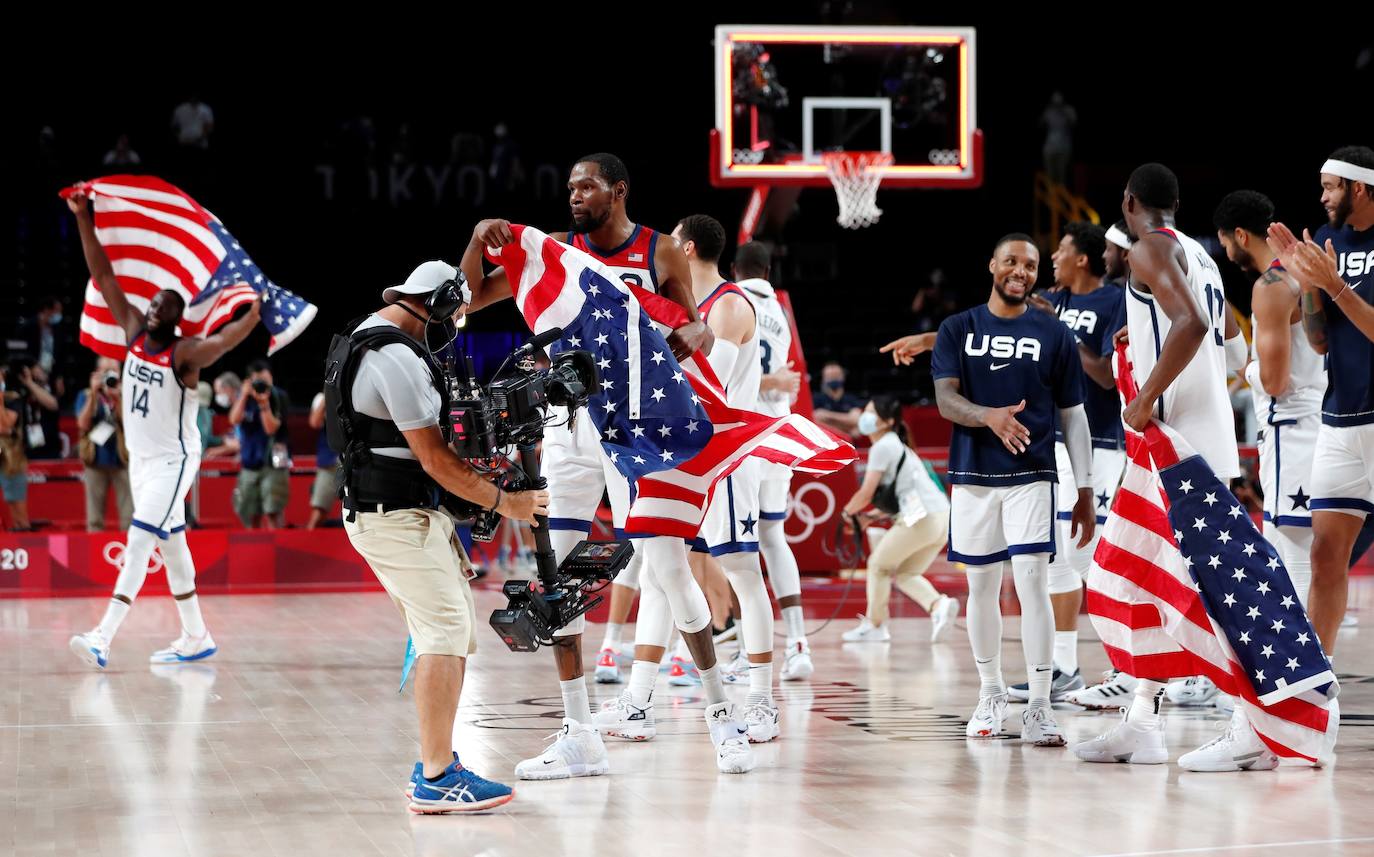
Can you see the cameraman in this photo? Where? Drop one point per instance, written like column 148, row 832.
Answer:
column 264, row 476
column 101, row 447
column 395, row 461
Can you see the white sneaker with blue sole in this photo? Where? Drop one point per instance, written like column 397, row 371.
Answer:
column 185, row 649
column 91, row 648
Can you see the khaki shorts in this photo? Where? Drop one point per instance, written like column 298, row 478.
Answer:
column 325, row 492
column 260, row 492
column 424, row 569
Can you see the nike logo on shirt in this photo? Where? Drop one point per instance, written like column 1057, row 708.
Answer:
column 994, row 367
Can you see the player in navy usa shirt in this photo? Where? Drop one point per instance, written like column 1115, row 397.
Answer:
column 1002, row 374
column 1336, row 272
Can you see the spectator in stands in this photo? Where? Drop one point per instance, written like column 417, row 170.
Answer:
column 1058, row 120
column 14, row 461
column 259, row 413
column 325, row 492
column 834, row 408
column 101, row 449
column 227, row 387
column 193, row 122
column 213, row 445
column 42, row 438
column 933, row 303
column 123, row 154
column 48, row 340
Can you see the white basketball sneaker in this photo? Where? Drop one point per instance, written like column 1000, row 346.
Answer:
column 731, row 739
column 988, row 717
column 761, row 719
column 867, row 632
column 1114, row 691
column 1126, row 742
column 621, row 718
column 185, row 649
column 737, row 669
column 1238, row 748
column 1198, row 690
column 797, row 666
column 1038, row 727
column 92, row 648
column 577, row 751
column 942, row 617
column 607, row 667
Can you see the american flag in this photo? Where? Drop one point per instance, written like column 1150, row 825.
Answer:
column 664, row 424
column 159, row 238
column 1183, row 584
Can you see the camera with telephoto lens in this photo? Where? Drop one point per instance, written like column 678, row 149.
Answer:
column 111, row 380
column 260, row 386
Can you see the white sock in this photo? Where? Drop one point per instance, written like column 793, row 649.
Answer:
column 711, row 684
column 642, row 677
column 1066, row 651
column 990, row 675
column 114, row 615
column 1145, row 705
column 1039, row 677
column 576, row 705
column 793, row 620
column 760, row 683
column 192, row 622
column 612, row 638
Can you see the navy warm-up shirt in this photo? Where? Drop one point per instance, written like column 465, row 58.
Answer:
column 999, row 362
column 1349, row 397
column 1093, row 318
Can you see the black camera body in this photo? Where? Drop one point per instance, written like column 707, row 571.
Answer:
column 260, row 386
column 533, row 613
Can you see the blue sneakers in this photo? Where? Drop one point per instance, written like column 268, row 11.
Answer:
column 458, row 790
column 416, row 775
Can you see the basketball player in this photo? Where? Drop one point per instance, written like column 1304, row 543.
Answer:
column 1288, row 378
column 579, row 472
column 1001, row 374
column 161, row 372
column 1092, row 312
column 1181, row 339
column 777, row 391
column 1336, row 276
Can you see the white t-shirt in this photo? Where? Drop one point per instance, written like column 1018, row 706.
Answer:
column 917, row 494
column 393, row 383
column 190, row 120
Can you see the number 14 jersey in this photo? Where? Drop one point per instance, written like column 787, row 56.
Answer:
column 159, row 412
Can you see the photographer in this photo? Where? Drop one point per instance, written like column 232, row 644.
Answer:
column 101, row 447
column 264, row 477
column 14, row 459
column 385, row 418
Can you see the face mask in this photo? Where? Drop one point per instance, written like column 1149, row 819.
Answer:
column 222, row 400
column 868, row 422
column 55, row 319
column 834, row 386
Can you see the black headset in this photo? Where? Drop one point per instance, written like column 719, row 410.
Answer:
column 450, row 297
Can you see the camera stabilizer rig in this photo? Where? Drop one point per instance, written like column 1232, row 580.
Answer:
column 512, row 411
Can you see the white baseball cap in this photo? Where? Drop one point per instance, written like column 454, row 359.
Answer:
column 423, row 280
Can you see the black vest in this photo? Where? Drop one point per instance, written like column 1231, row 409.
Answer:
column 368, row 480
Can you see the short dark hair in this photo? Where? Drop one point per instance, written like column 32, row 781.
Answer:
column 612, row 168
column 707, row 233
column 1090, row 240
column 259, row 365
column 1244, row 209
column 1155, row 185
column 1010, row 237
column 752, row 259
column 890, row 408
column 1360, row 156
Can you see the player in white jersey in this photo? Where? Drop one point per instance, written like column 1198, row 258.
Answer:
column 159, row 411
column 1181, row 339
column 1288, row 378
column 777, row 392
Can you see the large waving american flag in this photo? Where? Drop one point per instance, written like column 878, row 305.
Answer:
column 1183, row 584
column 664, row 424
column 159, row 238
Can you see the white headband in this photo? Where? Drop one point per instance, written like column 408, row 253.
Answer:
column 1347, row 170
column 1119, row 238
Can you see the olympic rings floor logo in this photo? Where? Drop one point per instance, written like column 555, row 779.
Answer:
column 114, row 555
column 803, row 511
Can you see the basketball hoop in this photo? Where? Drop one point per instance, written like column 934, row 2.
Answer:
column 856, row 176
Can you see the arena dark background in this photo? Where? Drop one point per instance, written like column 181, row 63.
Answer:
column 1226, row 106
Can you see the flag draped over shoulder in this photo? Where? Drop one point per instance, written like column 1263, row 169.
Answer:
column 156, row 238
column 664, row 424
column 1182, row 583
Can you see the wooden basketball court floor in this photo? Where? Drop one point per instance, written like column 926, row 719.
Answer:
column 293, row 741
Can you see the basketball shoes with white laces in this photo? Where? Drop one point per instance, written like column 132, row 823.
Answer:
column 731, row 739
column 607, row 667
column 1039, row 727
column 621, row 718
column 576, row 751
column 1198, row 690
column 988, row 717
column 797, row 665
column 185, row 649
column 1237, row 748
column 1127, row 741
column 92, row 648
column 942, row 617
column 867, row 632
column 761, row 720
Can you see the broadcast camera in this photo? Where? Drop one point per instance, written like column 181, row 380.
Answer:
column 512, row 410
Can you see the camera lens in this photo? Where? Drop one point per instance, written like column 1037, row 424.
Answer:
column 260, row 386
column 111, row 380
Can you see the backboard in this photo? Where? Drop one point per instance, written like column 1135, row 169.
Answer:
column 786, row 95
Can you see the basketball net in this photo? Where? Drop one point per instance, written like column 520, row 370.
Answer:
column 856, row 176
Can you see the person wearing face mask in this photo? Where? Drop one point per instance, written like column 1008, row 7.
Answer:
column 44, row 336
column 898, row 483
column 835, row 408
